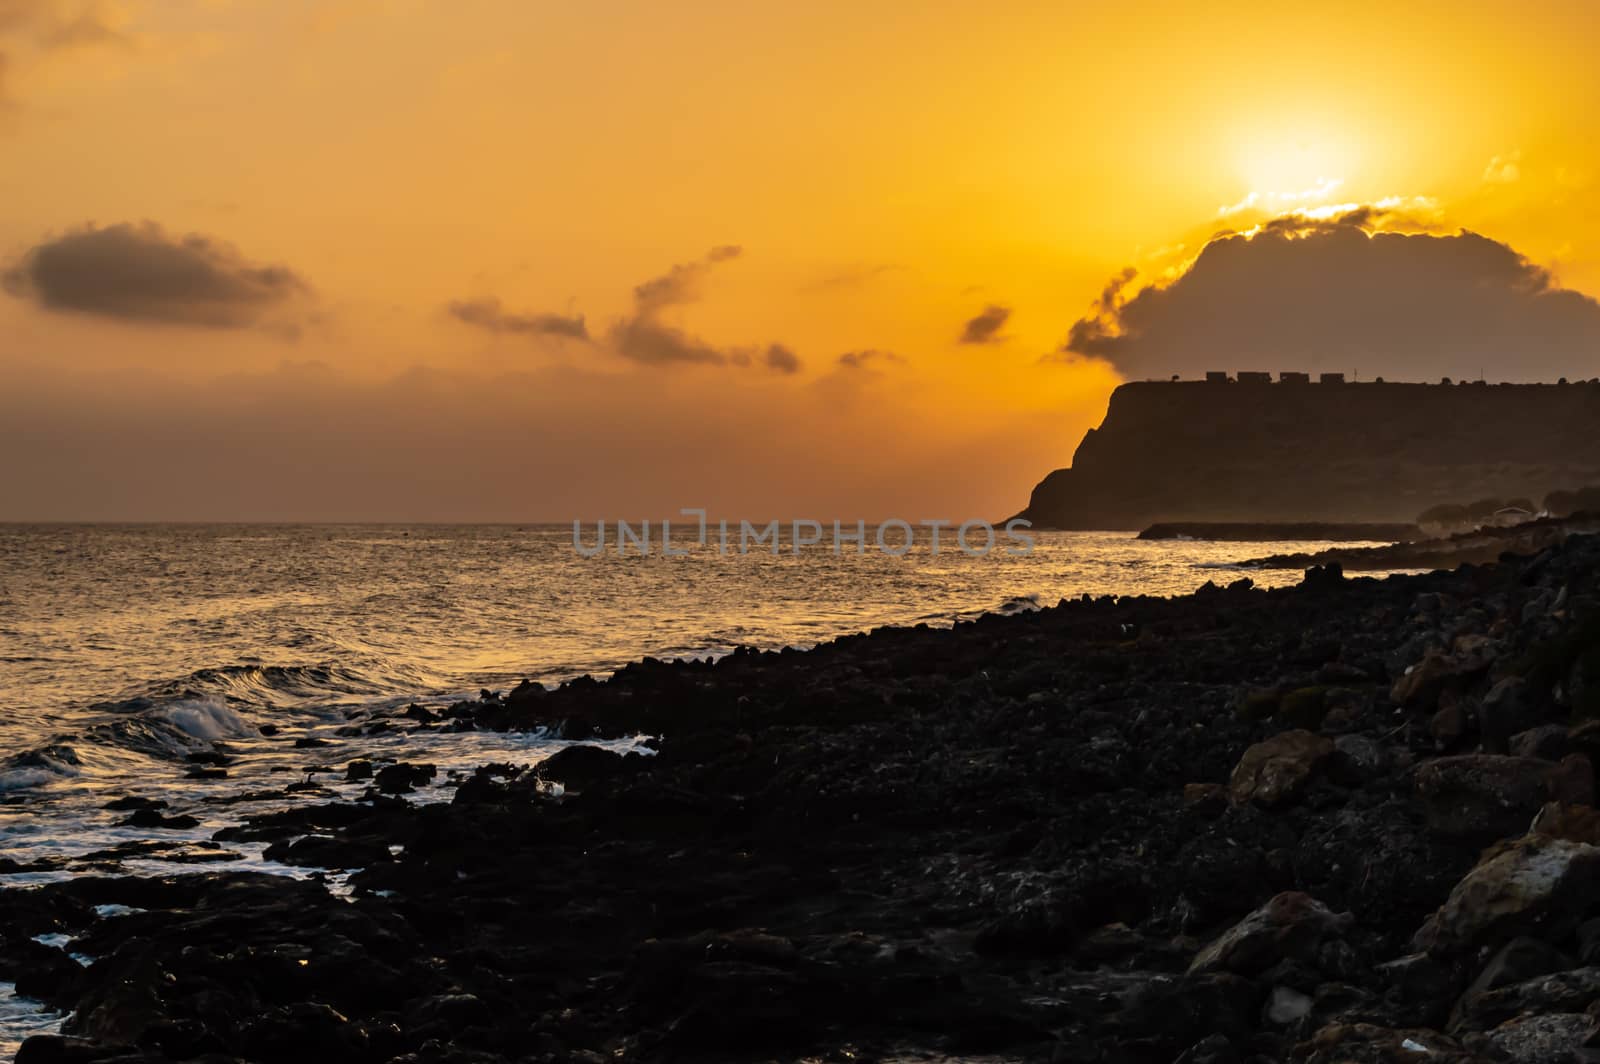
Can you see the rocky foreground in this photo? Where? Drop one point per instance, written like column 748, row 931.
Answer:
column 1348, row 821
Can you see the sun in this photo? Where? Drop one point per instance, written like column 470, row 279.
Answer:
column 1288, row 165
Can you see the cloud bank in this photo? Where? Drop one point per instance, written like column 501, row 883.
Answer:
column 1342, row 294
column 137, row 273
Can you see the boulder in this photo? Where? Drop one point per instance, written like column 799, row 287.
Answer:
column 1557, row 992
column 1419, row 689
column 1275, row 771
column 582, row 765
column 1482, row 797
column 1533, row 885
column 1290, row 925
column 1518, row 961
column 400, row 777
column 1575, row 823
column 1506, row 710
column 1548, row 741
column 1571, row 782
column 1556, row 1038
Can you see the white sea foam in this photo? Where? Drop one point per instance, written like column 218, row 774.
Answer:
column 206, row 718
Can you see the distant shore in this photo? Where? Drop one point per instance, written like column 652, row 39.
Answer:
column 1282, row 531
column 1235, row 825
column 1478, row 547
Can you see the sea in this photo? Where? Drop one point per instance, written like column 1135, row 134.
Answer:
column 130, row 653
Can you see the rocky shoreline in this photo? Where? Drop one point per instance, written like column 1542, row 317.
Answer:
column 1479, row 547
column 1351, row 820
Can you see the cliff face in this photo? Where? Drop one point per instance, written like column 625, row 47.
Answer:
column 1202, row 451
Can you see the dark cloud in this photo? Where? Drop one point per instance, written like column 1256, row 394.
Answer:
column 681, row 284
column 781, row 359
column 138, row 273
column 867, row 358
column 642, row 337
column 1340, row 294
column 490, row 314
column 649, row 342
column 985, row 328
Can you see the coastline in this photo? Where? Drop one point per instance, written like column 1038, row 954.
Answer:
column 1034, row 836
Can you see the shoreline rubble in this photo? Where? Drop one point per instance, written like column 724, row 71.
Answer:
column 1351, row 820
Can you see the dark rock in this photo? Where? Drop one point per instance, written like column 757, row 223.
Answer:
column 1290, row 925
column 58, row 1049
column 150, row 818
column 1507, row 709
column 581, row 766
column 1275, row 771
column 132, row 802
column 1534, row 884
column 1549, row 742
column 1482, row 796
column 402, row 776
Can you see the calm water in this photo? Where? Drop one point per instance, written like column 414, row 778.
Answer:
column 123, row 649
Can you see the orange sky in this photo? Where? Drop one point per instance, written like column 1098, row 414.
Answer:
column 888, row 171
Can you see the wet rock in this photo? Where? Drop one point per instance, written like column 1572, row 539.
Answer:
column 206, row 774
column 358, row 770
column 1275, row 771
column 1482, row 796
column 1328, row 577
column 526, row 693
column 150, row 818
column 402, row 776
column 1533, row 885
column 59, row 1049
column 133, row 802
column 1290, row 925
column 581, row 766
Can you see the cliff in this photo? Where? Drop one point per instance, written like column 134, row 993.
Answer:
column 1230, row 451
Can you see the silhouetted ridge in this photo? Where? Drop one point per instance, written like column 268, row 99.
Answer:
column 1243, row 451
